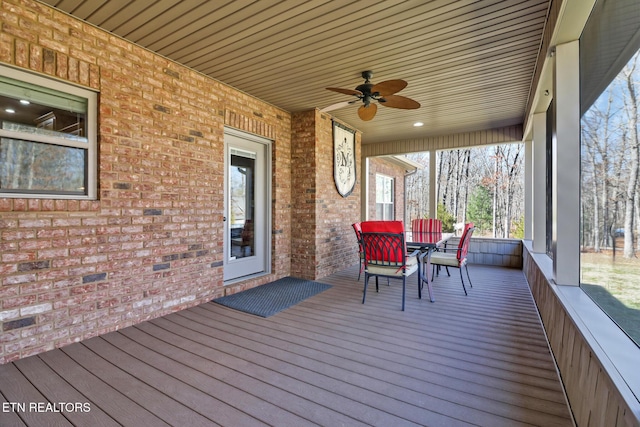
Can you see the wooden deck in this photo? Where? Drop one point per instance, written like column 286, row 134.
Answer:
column 332, row 361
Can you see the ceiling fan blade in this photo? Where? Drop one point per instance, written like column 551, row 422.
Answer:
column 345, row 91
column 389, row 87
column 367, row 112
column 338, row 105
column 397, row 101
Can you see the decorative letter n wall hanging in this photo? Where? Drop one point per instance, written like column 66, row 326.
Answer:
column 344, row 159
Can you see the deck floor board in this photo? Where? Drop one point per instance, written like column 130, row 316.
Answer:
column 480, row 359
column 55, row 389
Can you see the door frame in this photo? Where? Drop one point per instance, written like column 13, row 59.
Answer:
column 267, row 188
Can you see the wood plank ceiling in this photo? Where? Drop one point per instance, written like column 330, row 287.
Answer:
column 469, row 63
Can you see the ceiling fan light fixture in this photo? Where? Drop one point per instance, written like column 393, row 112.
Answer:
column 383, row 92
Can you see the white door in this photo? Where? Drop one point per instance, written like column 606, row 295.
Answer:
column 247, row 194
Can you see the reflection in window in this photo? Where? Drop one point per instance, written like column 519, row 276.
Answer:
column 45, row 146
column 610, row 200
column 32, row 166
column 242, row 204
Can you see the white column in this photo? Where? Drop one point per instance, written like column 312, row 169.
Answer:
column 528, row 189
column 433, row 203
column 364, row 189
column 539, row 196
column 566, row 165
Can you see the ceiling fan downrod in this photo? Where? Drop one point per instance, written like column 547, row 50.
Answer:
column 367, row 96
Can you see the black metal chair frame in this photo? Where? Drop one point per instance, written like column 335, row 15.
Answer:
column 387, row 252
column 465, row 241
column 360, row 249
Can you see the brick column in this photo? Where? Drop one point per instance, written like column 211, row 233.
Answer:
column 322, row 238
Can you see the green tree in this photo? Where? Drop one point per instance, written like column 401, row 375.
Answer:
column 446, row 218
column 517, row 230
column 480, row 208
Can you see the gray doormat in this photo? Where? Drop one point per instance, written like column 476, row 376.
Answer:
column 271, row 298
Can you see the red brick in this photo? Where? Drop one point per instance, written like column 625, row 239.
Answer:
column 21, row 301
column 23, row 278
column 34, row 223
column 169, row 161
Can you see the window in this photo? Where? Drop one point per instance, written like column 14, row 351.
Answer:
column 610, row 162
column 384, row 198
column 417, row 189
column 483, row 185
column 549, row 177
column 47, row 138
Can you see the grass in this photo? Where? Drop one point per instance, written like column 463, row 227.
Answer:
column 614, row 284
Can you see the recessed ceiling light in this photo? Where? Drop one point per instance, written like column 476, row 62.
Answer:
column 418, row 124
column 10, row 110
column 24, row 102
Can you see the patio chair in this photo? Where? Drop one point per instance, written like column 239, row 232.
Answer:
column 456, row 258
column 426, row 225
column 247, row 238
column 358, row 230
column 385, row 255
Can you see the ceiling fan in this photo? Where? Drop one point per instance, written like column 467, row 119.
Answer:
column 382, row 92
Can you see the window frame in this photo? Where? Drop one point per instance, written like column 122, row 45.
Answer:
column 90, row 146
column 550, row 117
column 387, row 180
column 611, row 346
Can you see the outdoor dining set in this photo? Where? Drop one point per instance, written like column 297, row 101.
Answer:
column 387, row 250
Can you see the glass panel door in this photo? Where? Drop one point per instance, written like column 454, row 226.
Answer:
column 241, row 204
column 246, row 246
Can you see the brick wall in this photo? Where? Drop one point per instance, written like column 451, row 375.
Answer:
column 378, row 165
column 323, row 241
column 335, row 239
column 152, row 243
column 303, row 194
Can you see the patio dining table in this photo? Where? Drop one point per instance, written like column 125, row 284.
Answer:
column 426, row 242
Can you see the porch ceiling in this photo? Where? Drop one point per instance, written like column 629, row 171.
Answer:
column 470, row 64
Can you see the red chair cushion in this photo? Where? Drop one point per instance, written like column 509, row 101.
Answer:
column 358, row 230
column 428, row 225
column 463, row 246
column 387, row 252
column 382, row 226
